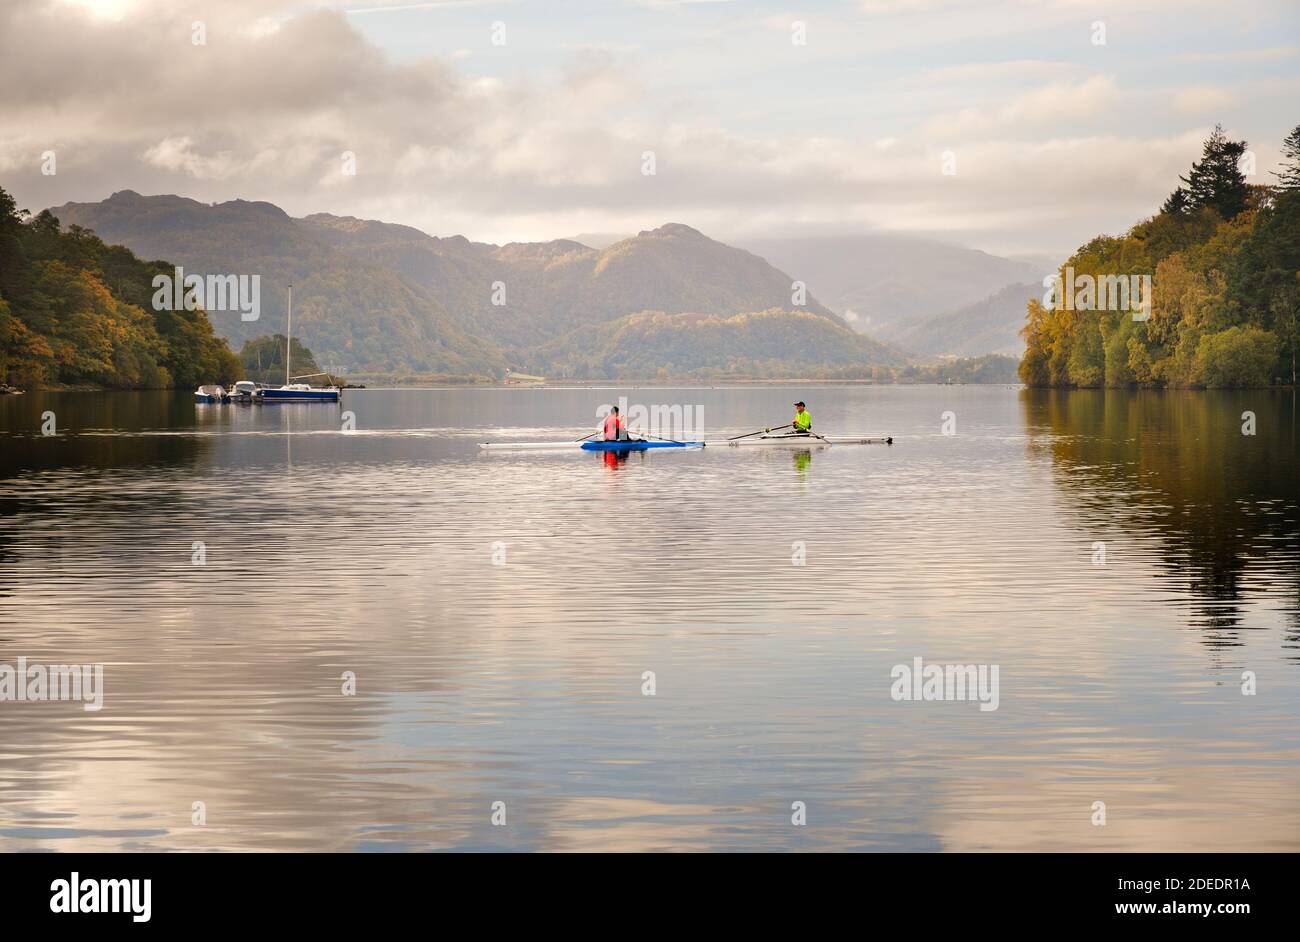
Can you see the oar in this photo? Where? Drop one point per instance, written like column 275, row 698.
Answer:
column 761, row 431
column 585, row 437
column 656, row 437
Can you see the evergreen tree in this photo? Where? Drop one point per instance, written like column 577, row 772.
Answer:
column 1289, row 178
column 1216, row 179
column 1176, row 204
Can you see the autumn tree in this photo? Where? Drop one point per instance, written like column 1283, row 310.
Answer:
column 74, row 310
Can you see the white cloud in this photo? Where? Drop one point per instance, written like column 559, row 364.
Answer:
column 1056, row 103
column 1270, row 54
column 265, row 113
column 1202, row 100
column 906, row 6
column 1015, row 70
column 104, row 9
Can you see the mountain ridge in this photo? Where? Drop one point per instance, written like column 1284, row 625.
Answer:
column 417, row 302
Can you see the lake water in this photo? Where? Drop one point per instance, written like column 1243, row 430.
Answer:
column 499, row 612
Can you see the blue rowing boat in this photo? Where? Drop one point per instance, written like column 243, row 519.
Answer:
column 775, row 441
column 633, row 445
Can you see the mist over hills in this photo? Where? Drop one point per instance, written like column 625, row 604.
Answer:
column 989, row 326
column 885, row 285
column 922, row 295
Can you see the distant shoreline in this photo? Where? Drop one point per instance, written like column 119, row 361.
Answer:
column 387, row 382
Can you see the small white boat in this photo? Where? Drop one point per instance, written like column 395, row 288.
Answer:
column 244, row 391
column 211, row 395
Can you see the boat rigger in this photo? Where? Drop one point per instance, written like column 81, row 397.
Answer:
column 802, row 441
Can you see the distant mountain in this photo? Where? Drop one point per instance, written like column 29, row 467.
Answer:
column 554, row 287
column 600, row 240
column 885, row 284
column 989, row 326
column 773, row 343
column 1047, row 264
column 351, row 310
column 380, row 297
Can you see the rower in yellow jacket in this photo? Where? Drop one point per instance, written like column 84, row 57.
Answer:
column 802, row 423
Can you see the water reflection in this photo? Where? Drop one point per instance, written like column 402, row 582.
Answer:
column 1221, row 507
column 88, row 429
column 499, row 611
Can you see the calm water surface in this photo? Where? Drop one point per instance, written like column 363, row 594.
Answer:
column 373, row 552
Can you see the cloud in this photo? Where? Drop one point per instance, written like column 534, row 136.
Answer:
column 1203, row 100
column 102, row 9
column 1014, row 70
column 266, row 109
column 680, row 3
column 381, row 6
column 1270, row 54
column 906, row 6
column 1058, row 102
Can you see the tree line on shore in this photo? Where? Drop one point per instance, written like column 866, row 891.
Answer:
column 77, row 312
column 1222, row 261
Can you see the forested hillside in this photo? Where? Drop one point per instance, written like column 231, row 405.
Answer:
column 378, row 297
column 353, row 310
column 76, row 311
column 263, row 361
column 1224, row 260
column 654, row 345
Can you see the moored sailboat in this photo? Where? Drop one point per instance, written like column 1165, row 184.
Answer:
column 291, row 391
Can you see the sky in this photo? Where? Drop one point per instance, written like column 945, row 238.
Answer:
column 1012, row 126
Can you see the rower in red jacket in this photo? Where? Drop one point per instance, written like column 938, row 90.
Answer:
column 614, row 428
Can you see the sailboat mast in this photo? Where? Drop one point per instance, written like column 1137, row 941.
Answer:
column 288, row 339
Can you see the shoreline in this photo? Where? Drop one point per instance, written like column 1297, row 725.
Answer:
column 382, row 381
column 695, row 384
